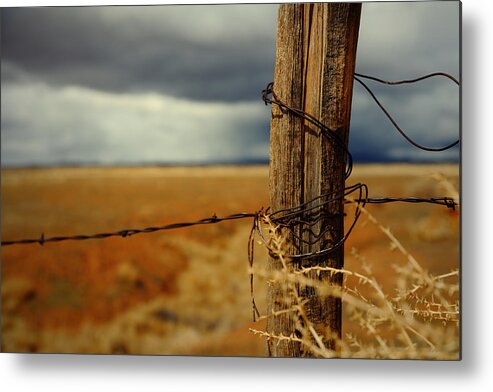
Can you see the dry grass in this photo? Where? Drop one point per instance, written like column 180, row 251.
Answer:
column 417, row 317
column 187, row 291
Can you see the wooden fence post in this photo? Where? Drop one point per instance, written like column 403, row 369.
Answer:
column 315, row 57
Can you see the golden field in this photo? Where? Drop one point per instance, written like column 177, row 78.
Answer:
column 184, row 291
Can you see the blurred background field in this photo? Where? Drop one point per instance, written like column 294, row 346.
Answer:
column 178, row 292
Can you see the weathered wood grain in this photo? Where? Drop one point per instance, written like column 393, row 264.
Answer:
column 315, row 57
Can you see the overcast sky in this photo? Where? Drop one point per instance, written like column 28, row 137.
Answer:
column 181, row 84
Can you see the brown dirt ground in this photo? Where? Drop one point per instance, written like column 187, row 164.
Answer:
column 184, row 291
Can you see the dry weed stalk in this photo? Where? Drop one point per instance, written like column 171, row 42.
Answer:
column 419, row 320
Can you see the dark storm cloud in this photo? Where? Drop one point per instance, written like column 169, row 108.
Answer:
column 409, row 38
column 182, row 83
column 198, row 52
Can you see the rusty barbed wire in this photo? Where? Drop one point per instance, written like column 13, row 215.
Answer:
column 448, row 202
column 280, row 216
column 130, row 232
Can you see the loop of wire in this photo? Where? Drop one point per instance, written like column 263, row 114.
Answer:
column 357, row 77
column 307, row 215
column 323, row 130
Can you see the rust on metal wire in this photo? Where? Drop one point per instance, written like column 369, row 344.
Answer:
column 302, row 214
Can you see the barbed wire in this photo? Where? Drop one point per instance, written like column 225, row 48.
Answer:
column 130, row 232
column 448, row 202
column 281, row 217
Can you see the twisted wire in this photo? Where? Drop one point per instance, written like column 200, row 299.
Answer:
column 270, row 97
